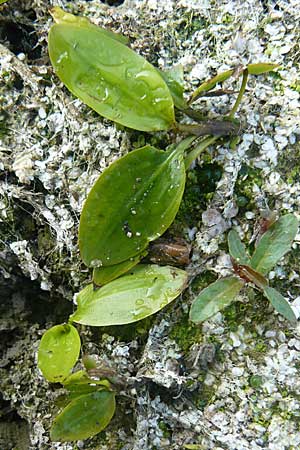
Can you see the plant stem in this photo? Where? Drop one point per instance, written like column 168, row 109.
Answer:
column 210, row 127
column 185, row 144
column 241, row 93
column 199, row 149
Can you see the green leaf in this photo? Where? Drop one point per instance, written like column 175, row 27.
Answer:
column 280, row 304
column 174, row 80
column 84, row 417
column 236, row 248
column 2, row 1
column 214, row 298
column 103, row 275
column 80, row 378
column 193, row 446
column 210, row 84
column 144, row 291
column 106, row 75
column 274, row 243
column 259, row 68
column 58, row 352
column 79, row 383
column 132, row 203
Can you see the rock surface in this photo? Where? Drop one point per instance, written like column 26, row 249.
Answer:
column 232, row 384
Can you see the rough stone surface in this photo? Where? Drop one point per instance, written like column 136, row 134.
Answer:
column 232, row 384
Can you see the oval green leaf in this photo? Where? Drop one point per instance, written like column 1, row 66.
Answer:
column 141, row 293
column 103, row 275
column 280, row 304
column 81, row 377
column 214, row 298
column 132, row 203
column 109, row 77
column 275, row 243
column 259, row 68
column 58, row 352
column 84, row 417
column 236, row 248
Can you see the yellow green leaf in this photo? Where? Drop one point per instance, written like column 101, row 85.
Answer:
column 58, row 352
column 142, row 292
column 259, row 68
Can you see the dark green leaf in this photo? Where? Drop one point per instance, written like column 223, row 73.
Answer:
column 84, row 417
column 139, row 294
column 132, row 203
column 237, row 249
column 280, row 304
column 103, row 275
column 274, row 243
column 108, row 76
column 259, row 68
column 214, row 298
column 58, row 352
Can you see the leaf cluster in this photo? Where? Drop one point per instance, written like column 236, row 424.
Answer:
column 90, row 403
column 272, row 246
column 132, row 203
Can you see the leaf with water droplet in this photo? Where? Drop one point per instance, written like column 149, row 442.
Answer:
column 280, row 304
column 84, row 417
column 149, row 182
column 58, row 352
column 105, row 274
column 275, row 243
column 79, row 383
column 259, row 68
column 236, row 248
column 214, row 298
column 132, row 297
column 106, row 75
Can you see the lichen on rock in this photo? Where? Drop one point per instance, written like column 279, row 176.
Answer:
column 52, row 149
